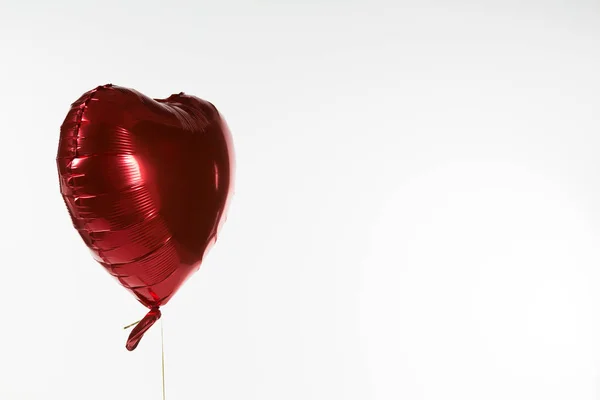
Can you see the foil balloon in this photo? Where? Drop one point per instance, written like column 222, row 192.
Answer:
column 147, row 184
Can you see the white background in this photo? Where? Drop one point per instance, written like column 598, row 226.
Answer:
column 417, row 210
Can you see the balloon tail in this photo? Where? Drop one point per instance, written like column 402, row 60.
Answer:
column 162, row 347
column 141, row 327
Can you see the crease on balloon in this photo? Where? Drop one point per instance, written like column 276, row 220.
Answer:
column 155, row 284
column 76, row 131
column 148, row 254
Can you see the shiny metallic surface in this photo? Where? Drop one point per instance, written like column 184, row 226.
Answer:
column 147, row 184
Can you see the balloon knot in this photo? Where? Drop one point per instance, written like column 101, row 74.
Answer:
column 141, row 327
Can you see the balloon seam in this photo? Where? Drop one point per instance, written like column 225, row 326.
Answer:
column 78, row 120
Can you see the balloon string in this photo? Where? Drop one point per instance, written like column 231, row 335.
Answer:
column 162, row 348
column 130, row 325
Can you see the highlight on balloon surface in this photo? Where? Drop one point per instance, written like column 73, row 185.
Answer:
column 147, row 184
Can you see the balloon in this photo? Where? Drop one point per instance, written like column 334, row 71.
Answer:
column 147, row 183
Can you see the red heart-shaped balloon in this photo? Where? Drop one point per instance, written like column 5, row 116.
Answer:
column 147, row 183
